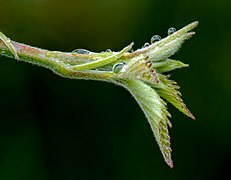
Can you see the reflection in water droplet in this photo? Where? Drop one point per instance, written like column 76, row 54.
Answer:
column 155, row 38
column 146, row 45
column 171, row 30
column 108, row 50
column 118, row 67
column 81, row 51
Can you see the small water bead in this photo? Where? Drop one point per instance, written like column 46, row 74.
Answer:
column 146, row 45
column 108, row 50
column 171, row 30
column 155, row 38
column 81, row 51
column 118, row 67
column 8, row 40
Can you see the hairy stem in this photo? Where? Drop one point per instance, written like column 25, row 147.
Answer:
column 53, row 60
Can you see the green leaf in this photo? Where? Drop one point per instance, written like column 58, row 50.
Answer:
column 168, row 46
column 139, row 68
column 102, row 61
column 156, row 112
column 167, row 65
column 168, row 89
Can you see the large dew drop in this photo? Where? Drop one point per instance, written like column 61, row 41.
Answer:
column 118, row 67
column 155, row 38
column 171, row 30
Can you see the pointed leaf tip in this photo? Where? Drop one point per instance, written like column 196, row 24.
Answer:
column 168, row 90
column 168, row 65
column 156, row 112
column 170, row 163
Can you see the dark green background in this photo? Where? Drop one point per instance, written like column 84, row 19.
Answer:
column 53, row 128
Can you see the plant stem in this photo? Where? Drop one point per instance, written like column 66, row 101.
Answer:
column 53, row 60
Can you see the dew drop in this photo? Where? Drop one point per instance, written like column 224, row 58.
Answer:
column 155, row 38
column 171, row 30
column 146, row 45
column 81, row 51
column 118, row 67
column 8, row 40
column 108, row 50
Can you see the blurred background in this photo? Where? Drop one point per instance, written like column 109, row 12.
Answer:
column 53, row 128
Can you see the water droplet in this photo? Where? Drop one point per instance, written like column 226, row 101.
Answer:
column 118, row 67
column 146, row 45
column 171, row 30
column 8, row 40
column 108, row 50
column 155, row 38
column 81, row 51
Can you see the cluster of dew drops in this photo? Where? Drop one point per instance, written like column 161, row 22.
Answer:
column 119, row 66
column 156, row 38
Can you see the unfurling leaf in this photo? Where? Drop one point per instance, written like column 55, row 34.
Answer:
column 169, row 90
column 156, row 112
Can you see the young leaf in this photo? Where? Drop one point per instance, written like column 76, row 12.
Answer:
column 155, row 111
column 167, row 65
column 168, row 89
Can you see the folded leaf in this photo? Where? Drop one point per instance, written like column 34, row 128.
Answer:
column 156, row 112
column 167, row 65
column 168, row 46
column 168, row 89
column 140, row 69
